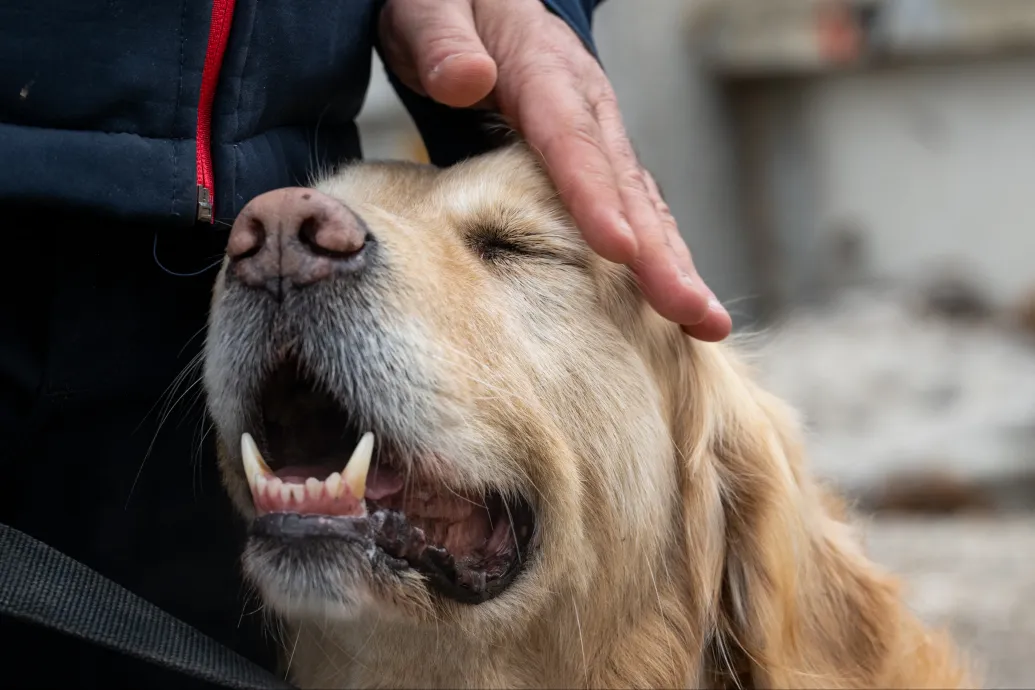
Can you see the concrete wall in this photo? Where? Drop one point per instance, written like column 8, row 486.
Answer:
column 924, row 165
column 933, row 165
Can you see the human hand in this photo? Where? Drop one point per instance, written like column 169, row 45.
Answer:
column 520, row 59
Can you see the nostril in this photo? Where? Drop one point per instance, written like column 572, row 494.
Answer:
column 329, row 236
column 307, row 233
column 258, row 232
column 246, row 238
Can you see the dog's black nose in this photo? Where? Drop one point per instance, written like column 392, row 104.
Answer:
column 293, row 237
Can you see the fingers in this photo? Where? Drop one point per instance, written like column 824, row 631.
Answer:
column 664, row 268
column 436, row 42
column 580, row 168
column 715, row 323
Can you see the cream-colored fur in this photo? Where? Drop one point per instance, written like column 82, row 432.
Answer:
column 682, row 541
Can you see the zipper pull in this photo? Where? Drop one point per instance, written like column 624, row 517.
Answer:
column 204, row 204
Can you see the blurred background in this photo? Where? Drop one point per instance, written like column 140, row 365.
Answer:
column 856, row 180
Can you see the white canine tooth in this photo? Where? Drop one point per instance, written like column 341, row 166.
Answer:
column 333, row 485
column 254, row 465
column 313, row 488
column 355, row 473
column 297, row 492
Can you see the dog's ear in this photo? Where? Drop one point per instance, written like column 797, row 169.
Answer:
column 794, row 601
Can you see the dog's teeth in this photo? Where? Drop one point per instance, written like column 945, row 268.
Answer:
column 254, row 465
column 333, row 485
column 273, row 487
column 313, row 488
column 355, row 473
column 297, row 492
column 285, row 493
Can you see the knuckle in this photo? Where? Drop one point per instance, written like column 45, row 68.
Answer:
column 604, row 99
column 585, row 133
column 661, row 206
column 440, row 42
column 663, row 209
column 633, row 181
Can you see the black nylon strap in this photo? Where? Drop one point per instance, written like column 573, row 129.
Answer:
column 41, row 585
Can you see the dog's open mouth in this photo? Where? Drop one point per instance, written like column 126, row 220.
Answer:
column 318, row 477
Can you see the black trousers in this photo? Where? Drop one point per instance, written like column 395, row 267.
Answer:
column 99, row 457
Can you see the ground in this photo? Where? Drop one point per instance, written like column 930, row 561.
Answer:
column 940, row 412
column 975, row 575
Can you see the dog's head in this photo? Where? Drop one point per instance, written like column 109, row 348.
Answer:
column 471, row 454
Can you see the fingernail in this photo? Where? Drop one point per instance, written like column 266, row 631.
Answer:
column 625, row 228
column 447, row 59
column 626, row 231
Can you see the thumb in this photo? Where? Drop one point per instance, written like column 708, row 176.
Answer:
column 451, row 62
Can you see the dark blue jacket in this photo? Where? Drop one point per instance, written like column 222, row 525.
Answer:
column 143, row 109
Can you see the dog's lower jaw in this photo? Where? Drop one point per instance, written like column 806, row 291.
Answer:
column 558, row 648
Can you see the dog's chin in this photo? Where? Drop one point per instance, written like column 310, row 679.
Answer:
column 305, row 570
column 324, row 581
column 337, row 529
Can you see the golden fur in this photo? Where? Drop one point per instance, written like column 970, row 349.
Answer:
column 683, row 541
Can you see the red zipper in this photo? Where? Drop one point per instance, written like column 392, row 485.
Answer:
column 218, row 33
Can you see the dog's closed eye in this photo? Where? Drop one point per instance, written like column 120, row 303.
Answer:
column 494, row 244
column 502, row 244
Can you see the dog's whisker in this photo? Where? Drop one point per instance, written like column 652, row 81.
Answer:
column 291, row 656
column 200, row 331
column 167, row 412
column 330, row 658
column 165, row 399
column 582, row 642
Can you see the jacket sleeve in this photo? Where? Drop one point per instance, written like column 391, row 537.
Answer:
column 579, row 16
column 450, row 134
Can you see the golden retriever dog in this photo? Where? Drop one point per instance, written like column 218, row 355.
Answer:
column 472, row 456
